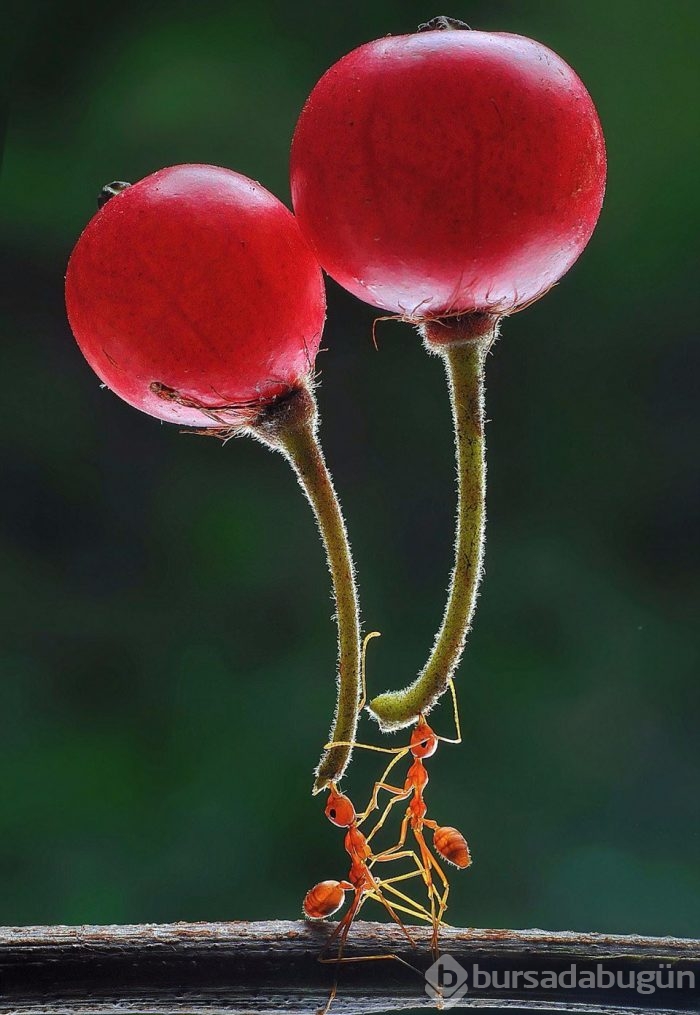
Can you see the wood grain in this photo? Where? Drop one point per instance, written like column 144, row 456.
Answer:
column 210, row 968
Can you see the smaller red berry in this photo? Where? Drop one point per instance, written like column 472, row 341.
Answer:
column 194, row 297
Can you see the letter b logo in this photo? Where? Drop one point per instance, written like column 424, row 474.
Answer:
column 446, row 981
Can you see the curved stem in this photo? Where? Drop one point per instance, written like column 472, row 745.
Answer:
column 292, row 428
column 463, row 344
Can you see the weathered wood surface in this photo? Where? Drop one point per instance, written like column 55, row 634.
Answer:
column 212, row 968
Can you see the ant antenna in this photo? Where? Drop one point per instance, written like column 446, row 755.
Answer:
column 363, row 667
column 455, row 710
column 363, row 699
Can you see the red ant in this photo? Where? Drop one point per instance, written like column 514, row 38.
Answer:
column 325, row 898
column 448, row 842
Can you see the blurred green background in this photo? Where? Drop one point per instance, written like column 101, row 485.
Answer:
column 167, row 652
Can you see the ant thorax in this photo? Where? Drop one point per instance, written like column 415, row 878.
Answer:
column 359, row 876
column 417, row 776
column 356, row 844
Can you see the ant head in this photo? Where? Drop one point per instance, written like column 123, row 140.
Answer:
column 423, row 741
column 339, row 809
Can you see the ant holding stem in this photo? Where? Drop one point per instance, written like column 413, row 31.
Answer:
column 448, row 842
column 326, row 898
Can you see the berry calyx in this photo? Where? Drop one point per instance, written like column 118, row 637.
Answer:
column 448, row 171
column 443, row 24
column 110, row 190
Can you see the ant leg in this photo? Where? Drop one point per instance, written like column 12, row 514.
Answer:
column 390, row 854
column 415, row 913
column 455, row 710
column 383, row 784
column 343, row 928
column 396, row 853
column 341, row 931
column 432, row 891
column 438, row 901
column 442, row 909
column 430, row 861
column 398, row 794
column 361, row 704
column 420, row 870
column 428, row 858
column 365, row 747
column 418, row 911
column 362, row 958
column 343, row 925
column 402, row 877
column 397, row 919
column 441, row 874
column 374, row 958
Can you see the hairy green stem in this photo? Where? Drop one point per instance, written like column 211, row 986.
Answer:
column 292, row 428
column 463, row 344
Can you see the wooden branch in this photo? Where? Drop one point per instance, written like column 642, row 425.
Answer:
column 211, row 968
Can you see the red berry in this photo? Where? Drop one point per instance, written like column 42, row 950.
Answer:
column 196, row 288
column 448, row 171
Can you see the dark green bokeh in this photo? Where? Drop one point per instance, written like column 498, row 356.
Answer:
column 167, row 652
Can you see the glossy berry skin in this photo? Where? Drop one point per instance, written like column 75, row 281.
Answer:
column 448, row 171
column 195, row 287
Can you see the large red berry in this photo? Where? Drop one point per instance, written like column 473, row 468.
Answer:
column 196, row 288
column 448, row 171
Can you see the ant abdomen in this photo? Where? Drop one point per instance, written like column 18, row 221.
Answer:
column 452, row 846
column 324, row 899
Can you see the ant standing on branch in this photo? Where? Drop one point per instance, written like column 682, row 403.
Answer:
column 326, row 898
column 448, row 842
